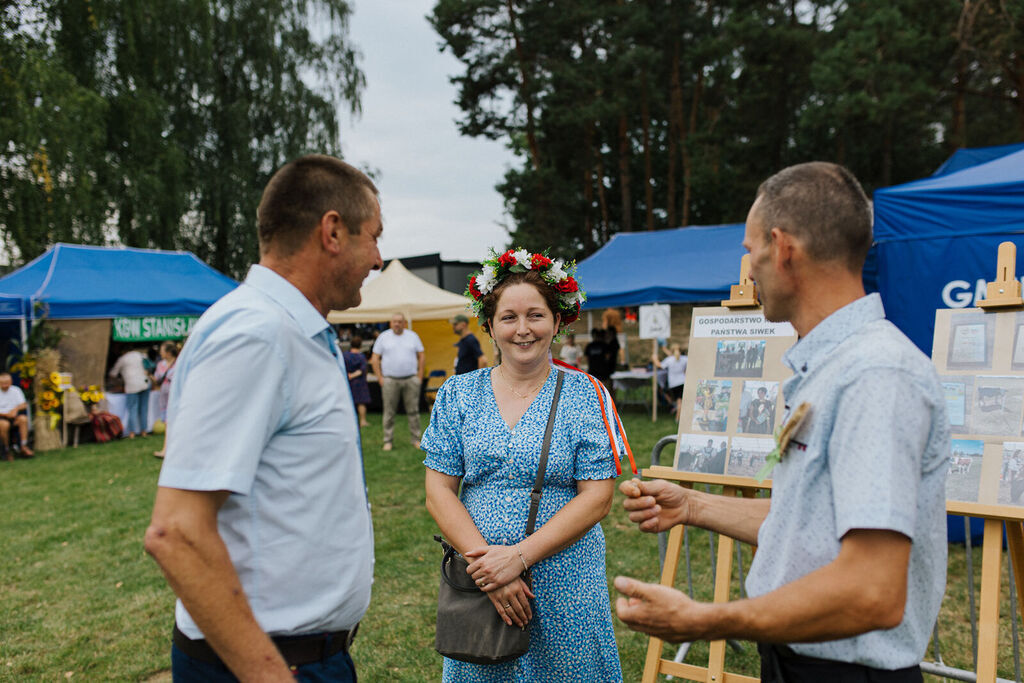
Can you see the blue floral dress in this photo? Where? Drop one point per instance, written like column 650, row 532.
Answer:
column 571, row 638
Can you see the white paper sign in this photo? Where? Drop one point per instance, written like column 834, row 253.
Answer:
column 655, row 321
column 739, row 325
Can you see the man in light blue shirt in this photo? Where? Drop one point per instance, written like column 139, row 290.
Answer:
column 851, row 562
column 261, row 522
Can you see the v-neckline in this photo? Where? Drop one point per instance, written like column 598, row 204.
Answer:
column 494, row 400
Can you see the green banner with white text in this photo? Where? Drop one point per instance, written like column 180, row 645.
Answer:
column 153, row 328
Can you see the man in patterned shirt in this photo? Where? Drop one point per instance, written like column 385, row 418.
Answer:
column 851, row 561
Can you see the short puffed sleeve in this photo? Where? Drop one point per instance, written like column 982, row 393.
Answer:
column 442, row 439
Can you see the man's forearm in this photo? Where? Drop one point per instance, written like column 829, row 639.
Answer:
column 199, row 570
column 826, row 604
column 863, row 589
column 738, row 518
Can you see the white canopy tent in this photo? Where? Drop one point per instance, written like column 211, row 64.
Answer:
column 428, row 309
column 396, row 290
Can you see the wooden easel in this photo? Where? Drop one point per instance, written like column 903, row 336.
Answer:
column 742, row 295
column 1001, row 294
column 715, row 671
column 991, row 576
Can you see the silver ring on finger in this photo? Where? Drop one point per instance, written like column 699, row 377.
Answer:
column 508, row 605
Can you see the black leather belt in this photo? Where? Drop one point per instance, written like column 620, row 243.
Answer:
column 296, row 650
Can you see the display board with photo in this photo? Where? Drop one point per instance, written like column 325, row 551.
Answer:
column 711, row 406
column 739, row 358
column 980, row 359
column 1011, row 474
column 747, row 455
column 958, row 391
column 757, row 407
column 963, row 477
column 699, row 453
column 733, row 393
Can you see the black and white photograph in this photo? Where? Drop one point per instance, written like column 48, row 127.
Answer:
column 711, row 407
column 700, row 453
column 1011, row 474
column 1017, row 361
column 740, row 358
column 758, row 406
column 998, row 405
column 747, row 455
column 963, row 479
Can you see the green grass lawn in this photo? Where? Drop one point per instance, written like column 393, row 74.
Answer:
column 80, row 599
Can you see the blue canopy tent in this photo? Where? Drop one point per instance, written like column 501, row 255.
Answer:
column 936, row 241
column 681, row 265
column 73, row 281
column 967, row 157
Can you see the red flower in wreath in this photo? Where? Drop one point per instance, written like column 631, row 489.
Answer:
column 507, row 259
column 570, row 318
column 26, row 383
column 568, row 285
column 472, row 288
column 540, row 261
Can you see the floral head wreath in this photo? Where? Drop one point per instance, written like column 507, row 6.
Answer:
column 557, row 273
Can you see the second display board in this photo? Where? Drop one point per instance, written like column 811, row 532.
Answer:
column 732, row 401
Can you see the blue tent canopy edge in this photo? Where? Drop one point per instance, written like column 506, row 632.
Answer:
column 637, row 268
column 74, row 281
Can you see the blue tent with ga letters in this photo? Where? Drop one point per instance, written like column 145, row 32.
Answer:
column 936, row 240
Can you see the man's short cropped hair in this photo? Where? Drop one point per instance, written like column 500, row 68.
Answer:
column 824, row 207
column 302, row 191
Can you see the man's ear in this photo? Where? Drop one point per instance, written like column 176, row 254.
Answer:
column 331, row 232
column 783, row 247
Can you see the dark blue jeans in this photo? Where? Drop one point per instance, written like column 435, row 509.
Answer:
column 336, row 669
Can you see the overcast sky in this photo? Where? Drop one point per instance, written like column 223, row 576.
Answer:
column 437, row 187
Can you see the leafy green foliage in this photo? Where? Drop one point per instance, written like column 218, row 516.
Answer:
column 158, row 124
column 629, row 115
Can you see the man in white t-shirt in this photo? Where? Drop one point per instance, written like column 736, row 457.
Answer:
column 12, row 411
column 397, row 361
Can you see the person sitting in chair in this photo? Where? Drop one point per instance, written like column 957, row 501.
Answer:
column 13, row 411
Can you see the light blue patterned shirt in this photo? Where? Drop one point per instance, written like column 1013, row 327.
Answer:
column 872, row 455
column 260, row 406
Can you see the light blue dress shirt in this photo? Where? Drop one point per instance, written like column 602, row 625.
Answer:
column 872, row 455
column 260, row 406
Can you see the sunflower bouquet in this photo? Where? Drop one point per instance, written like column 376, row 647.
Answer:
column 51, row 398
column 90, row 395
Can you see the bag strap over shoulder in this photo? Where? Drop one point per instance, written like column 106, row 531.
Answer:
column 539, row 482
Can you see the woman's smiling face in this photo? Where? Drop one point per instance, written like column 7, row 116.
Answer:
column 523, row 326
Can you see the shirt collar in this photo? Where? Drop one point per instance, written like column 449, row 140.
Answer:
column 288, row 297
column 827, row 334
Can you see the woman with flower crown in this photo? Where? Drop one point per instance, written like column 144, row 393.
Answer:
column 485, row 433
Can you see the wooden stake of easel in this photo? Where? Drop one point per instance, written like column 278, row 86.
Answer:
column 654, row 382
column 714, row 672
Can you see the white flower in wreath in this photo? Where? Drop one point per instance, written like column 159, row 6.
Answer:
column 522, row 258
column 555, row 272
column 485, row 280
column 570, row 298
